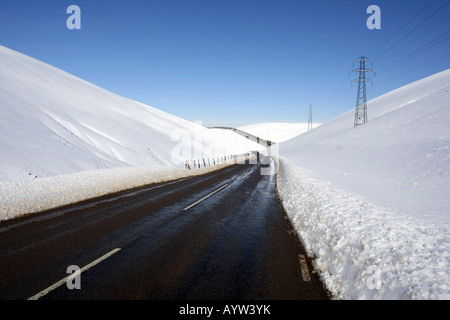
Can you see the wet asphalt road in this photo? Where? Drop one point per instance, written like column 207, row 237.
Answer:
column 221, row 236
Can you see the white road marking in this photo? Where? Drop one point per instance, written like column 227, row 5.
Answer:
column 304, row 268
column 62, row 281
column 204, row 198
column 245, row 174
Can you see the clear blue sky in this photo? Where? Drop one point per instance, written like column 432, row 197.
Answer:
column 234, row 62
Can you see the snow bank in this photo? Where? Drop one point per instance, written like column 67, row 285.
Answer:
column 64, row 140
column 363, row 251
column 27, row 197
column 371, row 203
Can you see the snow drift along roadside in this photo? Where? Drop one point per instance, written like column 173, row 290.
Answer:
column 371, row 203
column 28, row 197
column 363, row 251
column 400, row 159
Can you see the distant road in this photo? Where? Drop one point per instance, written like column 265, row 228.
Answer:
column 219, row 236
column 263, row 142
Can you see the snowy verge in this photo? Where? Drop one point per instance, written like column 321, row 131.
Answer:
column 362, row 251
column 22, row 198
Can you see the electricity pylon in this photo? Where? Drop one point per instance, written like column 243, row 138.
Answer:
column 361, row 100
column 310, row 123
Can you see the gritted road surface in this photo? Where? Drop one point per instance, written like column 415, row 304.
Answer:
column 220, row 236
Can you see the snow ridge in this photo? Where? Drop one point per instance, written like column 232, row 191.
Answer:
column 363, row 251
column 27, row 197
column 54, row 123
column 371, row 203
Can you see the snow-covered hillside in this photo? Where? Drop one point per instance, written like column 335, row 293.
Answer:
column 372, row 203
column 64, row 140
column 54, row 123
column 277, row 131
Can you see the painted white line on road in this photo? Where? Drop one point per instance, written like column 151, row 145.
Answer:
column 204, row 198
column 245, row 174
column 62, row 281
column 304, row 268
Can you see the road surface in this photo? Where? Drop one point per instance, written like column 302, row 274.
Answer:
column 221, row 236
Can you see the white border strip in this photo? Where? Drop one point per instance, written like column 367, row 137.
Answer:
column 204, row 198
column 62, row 281
column 244, row 175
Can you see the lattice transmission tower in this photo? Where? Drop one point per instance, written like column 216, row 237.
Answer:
column 310, row 122
column 361, row 99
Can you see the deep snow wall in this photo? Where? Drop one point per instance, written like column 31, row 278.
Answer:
column 362, row 251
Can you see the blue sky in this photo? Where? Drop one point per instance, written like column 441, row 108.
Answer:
column 227, row 62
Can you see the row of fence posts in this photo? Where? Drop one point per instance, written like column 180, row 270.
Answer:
column 198, row 163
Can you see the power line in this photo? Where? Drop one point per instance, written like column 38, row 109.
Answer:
column 417, row 51
column 343, row 94
column 401, row 28
column 416, row 38
column 342, row 91
column 417, row 68
column 410, row 32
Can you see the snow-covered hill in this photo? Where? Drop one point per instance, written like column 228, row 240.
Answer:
column 372, row 202
column 54, row 123
column 277, row 131
column 64, row 140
